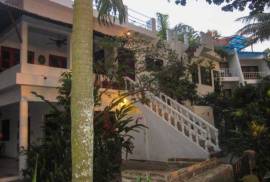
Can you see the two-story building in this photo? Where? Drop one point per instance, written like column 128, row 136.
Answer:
column 241, row 67
column 35, row 51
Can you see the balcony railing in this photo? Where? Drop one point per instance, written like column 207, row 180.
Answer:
column 227, row 72
column 253, row 75
column 137, row 18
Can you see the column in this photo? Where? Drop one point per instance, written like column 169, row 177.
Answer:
column 238, row 68
column 23, row 133
column 24, row 45
column 154, row 24
column 126, row 11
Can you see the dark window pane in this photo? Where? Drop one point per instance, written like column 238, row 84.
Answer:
column 6, row 58
column 31, row 57
column 57, row 61
column 195, row 75
column 16, row 57
column 5, row 130
column 206, row 77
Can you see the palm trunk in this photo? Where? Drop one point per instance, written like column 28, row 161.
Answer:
column 82, row 102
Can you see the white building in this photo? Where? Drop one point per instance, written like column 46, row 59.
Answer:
column 34, row 51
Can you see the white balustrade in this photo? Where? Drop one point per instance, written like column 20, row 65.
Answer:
column 192, row 126
column 253, row 75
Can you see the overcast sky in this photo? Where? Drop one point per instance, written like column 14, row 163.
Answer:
column 198, row 14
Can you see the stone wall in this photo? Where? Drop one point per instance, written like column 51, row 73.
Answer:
column 206, row 171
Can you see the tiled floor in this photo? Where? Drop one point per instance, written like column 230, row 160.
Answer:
column 8, row 167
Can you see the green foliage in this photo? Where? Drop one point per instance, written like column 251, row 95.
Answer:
column 244, row 121
column 240, row 5
column 173, row 81
column 163, row 25
column 257, row 28
column 50, row 158
column 108, row 9
column 192, row 35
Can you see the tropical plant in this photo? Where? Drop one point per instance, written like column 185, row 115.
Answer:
column 82, row 101
column 243, row 121
column 186, row 31
column 163, row 25
column 257, row 28
column 240, row 5
column 50, row 158
column 173, row 80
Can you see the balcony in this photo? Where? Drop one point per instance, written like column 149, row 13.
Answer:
column 137, row 18
column 253, row 75
column 229, row 75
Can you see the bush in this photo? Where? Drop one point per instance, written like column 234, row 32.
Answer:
column 53, row 151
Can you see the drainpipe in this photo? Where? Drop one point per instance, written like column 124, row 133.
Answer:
column 239, row 69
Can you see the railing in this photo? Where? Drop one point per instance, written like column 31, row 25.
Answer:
column 244, row 165
column 137, row 18
column 253, row 75
column 140, row 19
column 197, row 130
column 225, row 72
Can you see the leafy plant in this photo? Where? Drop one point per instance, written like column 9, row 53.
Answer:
column 163, row 25
column 243, row 121
column 112, row 128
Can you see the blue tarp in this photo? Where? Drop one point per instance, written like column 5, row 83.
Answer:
column 237, row 42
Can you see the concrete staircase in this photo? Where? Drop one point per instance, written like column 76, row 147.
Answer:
column 173, row 129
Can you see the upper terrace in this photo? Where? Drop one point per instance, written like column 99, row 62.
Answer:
column 62, row 11
column 34, row 47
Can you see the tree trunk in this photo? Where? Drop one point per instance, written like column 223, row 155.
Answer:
column 82, row 101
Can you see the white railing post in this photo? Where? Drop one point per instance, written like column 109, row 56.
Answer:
column 154, row 24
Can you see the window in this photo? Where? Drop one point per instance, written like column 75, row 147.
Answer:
column 206, row 76
column 250, row 68
column 5, row 130
column 216, row 81
column 10, row 57
column 99, row 62
column 194, row 74
column 153, row 64
column 31, row 57
column 126, row 63
column 57, row 61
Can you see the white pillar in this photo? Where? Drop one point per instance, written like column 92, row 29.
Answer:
column 154, row 24
column 24, row 45
column 238, row 68
column 23, row 133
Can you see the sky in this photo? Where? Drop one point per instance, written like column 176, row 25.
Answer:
column 198, row 14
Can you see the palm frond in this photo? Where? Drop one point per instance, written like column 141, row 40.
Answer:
column 110, row 10
column 257, row 28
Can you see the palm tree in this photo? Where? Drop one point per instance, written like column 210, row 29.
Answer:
column 163, row 25
column 257, row 28
column 82, row 101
